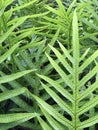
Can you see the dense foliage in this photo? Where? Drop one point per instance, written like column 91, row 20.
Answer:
column 48, row 64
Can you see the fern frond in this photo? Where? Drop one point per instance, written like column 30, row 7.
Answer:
column 75, row 104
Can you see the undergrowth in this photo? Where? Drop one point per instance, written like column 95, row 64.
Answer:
column 48, row 65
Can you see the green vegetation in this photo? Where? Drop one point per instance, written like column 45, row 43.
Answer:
column 48, row 64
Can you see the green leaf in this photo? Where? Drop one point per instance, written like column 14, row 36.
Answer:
column 88, row 105
column 70, row 7
column 58, row 87
column 11, row 93
column 88, row 61
column 14, row 76
column 7, row 15
column 88, row 91
column 61, row 7
column 53, row 10
column 5, row 35
column 44, row 125
column 60, row 71
column 9, row 52
column 85, row 54
column 52, row 121
column 90, row 24
column 66, row 52
column 62, row 59
column 7, row 118
column 24, row 5
column 58, row 100
column 53, row 112
column 88, row 76
column 89, row 122
column 17, row 100
column 6, row 126
column 6, row 3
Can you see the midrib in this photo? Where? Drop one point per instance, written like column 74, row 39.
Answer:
column 75, row 92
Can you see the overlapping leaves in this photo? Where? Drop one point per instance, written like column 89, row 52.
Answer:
column 79, row 100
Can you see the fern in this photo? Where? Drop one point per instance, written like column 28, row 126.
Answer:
column 7, row 94
column 77, row 103
column 67, row 94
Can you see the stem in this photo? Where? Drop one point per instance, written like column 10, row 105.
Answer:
column 76, row 56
